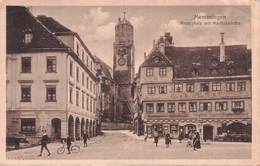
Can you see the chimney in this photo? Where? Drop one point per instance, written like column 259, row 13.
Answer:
column 145, row 56
column 222, row 48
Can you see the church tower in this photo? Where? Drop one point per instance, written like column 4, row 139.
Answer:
column 123, row 68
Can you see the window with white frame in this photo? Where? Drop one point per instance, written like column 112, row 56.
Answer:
column 160, row 107
column 162, row 72
column 241, row 86
column 149, row 72
column 51, row 93
column 221, row 106
column 28, row 36
column 171, row 107
column 192, row 106
column 230, row 86
column 238, row 106
column 151, row 90
column 190, row 87
column 28, row 125
column 182, row 107
column 25, row 93
column 163, row 89
column 178, row 87
column 51, row 64
column 216, row 86
column 205, row 106
column 26, row 64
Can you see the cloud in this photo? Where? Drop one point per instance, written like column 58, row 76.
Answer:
column 137, row 21
column 96, row 16
column 104, row 32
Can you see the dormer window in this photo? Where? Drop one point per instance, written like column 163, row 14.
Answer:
column 28, row 35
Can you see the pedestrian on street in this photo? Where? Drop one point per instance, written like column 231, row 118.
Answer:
column 167, row 140
column 44, row 142
column 196, row 141
column 156, row 137
column 181, row 136
column 68, row 141
column 85, row 138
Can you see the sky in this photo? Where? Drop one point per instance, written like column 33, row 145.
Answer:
column 96, row 25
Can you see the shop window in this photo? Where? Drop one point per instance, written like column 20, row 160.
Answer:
column 160, row 107
column 230, row 86
column 241, row 86
column 221, row 106
column 163, row 89
column 238, row 106
column 149, row 72
column 149, row 107
column 151, row 90
column 178, row 87
column 26, row 94
column 190, row 87
column 171, row 107
column 26, row 64
column 51, row 64
column 51, row 94
column 204, row 87
column 216, row 86
column 28, row 125
column 173, row 129
column 182, row 107
column 192, row 107
column 205, row 106
column 162, row 72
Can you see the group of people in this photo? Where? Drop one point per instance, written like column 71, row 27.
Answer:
column 45, row 140
column 193, row 139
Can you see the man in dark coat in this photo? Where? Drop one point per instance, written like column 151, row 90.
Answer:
column 196, row 141
column 167, row 139
column 68, row 141
column 181, row 136
column 85, row 138
column 44, row 142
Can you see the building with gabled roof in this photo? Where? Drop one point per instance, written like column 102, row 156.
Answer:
column 207, row 89
column 52, row 82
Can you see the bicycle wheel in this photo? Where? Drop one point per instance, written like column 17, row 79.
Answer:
column 75, row 148
column 60, row 150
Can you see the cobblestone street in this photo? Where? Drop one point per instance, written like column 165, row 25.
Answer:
column 125, row 145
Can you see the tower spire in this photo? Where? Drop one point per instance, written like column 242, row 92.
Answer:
column 124, row 13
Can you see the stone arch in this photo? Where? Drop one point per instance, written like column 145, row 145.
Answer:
column 77, row 128
column 71, row 127
column 82, row 126
column 208, row 132
column 87, row 126
column 56, row 128
column 90, row 128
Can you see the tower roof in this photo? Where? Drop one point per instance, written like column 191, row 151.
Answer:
column 123, row 20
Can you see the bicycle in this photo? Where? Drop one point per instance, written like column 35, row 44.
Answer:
column 73, row 149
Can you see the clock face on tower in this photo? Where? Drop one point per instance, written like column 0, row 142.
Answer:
column 121, row 61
